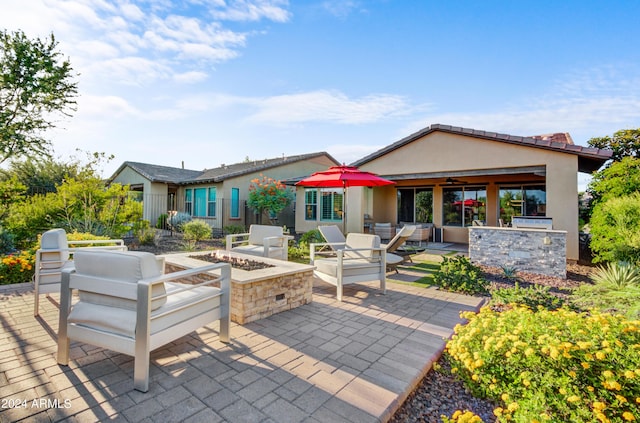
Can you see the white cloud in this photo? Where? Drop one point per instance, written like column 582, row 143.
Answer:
column 246, row 10
column 340, row 8
column 327, row 106
column 587, row 104
column 192, row 77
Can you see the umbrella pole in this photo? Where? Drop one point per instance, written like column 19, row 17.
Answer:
column 344, row 208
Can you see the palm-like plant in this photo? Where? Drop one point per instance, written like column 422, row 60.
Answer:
column 616, row 289
column 617, row 275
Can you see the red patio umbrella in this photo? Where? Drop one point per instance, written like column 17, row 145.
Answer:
column 343, row 177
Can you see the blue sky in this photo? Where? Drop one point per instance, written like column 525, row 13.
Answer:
column 207, row 82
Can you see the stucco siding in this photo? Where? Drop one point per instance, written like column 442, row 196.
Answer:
column 441, row 153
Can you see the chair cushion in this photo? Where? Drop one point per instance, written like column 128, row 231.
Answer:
column 352, row 267
column 123, row 266
column 258, row 250
column 257, row 233
column 54, row 239
column 357, row 240
column 123, row 322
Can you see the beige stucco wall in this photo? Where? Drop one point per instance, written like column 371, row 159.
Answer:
column 444, row 152
column 285, row 171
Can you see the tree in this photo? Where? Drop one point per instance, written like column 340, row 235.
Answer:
column 619, row 179
column 624, row 143
column 268, row 195
column 40, row 176
column 615, row 229
column 35, row 85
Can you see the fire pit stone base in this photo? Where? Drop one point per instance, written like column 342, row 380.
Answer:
column 259, row 293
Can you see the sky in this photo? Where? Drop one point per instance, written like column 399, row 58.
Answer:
column 211, row 82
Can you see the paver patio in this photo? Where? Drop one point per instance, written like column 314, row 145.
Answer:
column 327, row 361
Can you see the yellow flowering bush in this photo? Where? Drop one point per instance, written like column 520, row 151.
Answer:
column 17, row 268
column 547, row 365
column 462, row 417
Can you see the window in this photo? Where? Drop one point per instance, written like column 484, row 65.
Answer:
column 527, row 200
column 331, row 202
column 235, row 202
column 211, row 202
column 311, row 204
column 415, row 205
column 462, row 205
column 188, row 202
column 200, row 202
column 200, row 197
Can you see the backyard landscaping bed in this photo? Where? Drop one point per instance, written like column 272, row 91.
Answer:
column 440, row 393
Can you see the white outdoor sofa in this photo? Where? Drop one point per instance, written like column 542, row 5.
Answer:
column 361, row 260
column 127, row 304
column 261, row 240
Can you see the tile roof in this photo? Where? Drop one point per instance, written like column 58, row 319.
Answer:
column 181, row 176
column 589, row 159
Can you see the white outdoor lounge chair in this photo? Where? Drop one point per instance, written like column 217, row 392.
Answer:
column 333, row 235
column 362, row 260
column 127, row 304
column 261, row 240
column 54, row 256
column 394, row 257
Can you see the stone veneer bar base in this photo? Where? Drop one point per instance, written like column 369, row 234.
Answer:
column 258, row 293
column 528, row 250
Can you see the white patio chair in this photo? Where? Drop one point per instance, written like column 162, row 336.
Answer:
column 127, row 304
column 54, row 256
column 362, row 260
column 261, row 240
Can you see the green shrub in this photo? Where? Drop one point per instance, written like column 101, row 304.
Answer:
column 177, row 221
column 161, row 223
column 17, row 268
column 6, row 241
column 196, row 230
column 147, row 236
column 615, row 230
column 458, row 274
column 616, row 289
column 557, row 366
column 310, row 237
column 234, row 229
column 83, row 236
column 533, row 297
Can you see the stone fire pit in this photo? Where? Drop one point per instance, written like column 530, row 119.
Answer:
column 257, row 293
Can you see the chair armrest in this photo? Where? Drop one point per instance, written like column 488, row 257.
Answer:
column 232, row 239
column 276, row 241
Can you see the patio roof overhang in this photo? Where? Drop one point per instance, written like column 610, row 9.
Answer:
column 535, row 170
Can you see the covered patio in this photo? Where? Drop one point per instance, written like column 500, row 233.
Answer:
column 350, row 361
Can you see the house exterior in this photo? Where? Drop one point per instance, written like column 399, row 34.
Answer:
column 457, row 177
column 217, row 196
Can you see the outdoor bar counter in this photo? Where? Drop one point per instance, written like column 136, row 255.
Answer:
column 542, row 251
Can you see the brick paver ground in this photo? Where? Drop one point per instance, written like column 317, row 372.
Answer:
column 327, row 361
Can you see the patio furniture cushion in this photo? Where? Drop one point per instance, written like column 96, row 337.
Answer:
column 356, row 241
column 261, row 240
column 122, row 320
column 257, row 233
column 54, row 239
column 130, row 266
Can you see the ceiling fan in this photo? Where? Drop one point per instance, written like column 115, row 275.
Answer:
column 451, row 181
